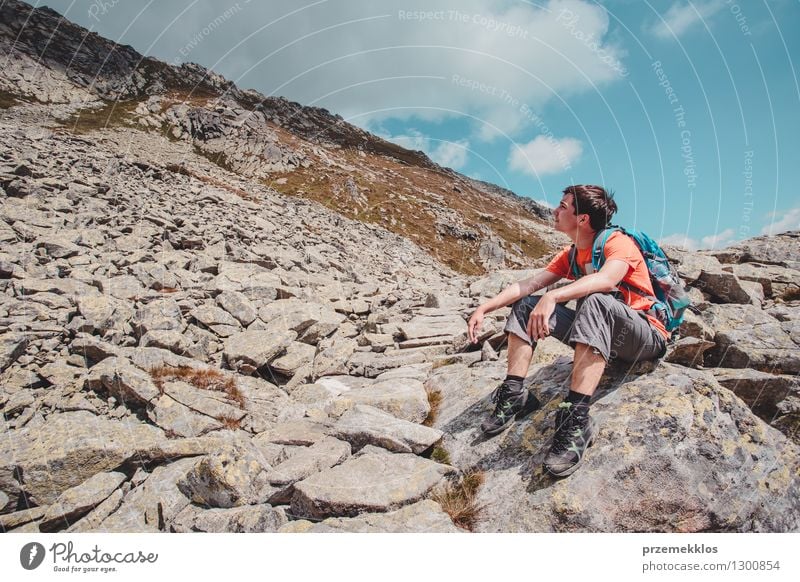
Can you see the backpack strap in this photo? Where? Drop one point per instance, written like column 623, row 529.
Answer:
column 599, row 257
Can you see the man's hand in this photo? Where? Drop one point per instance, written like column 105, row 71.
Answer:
column 539, row 321
column 474, row 325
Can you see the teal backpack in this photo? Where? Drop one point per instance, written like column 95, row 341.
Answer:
column 671, row 299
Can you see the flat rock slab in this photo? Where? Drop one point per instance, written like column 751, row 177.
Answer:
column 322, row 455
column 71, row 447
column 76, row 502
column 424, row 516
column 424, row 326
column 248, row 519
column 367, row 425
column 148, row 508
column 372, row 482
column 250, row 350
column 127, row 383
column 12, row 346
column 403, row 398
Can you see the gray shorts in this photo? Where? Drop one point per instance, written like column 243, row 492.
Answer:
column 601, row 321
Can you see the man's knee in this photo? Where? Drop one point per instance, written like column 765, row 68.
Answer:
column 522, row 307
column 597, row 301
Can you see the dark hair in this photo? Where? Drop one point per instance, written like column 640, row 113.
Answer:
column 594, row 201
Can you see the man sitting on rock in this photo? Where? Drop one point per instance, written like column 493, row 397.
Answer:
column 609, row 323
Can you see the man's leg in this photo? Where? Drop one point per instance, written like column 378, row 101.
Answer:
column 604, row 329
column 520, row 354
column 511, row 398
column 587, row 369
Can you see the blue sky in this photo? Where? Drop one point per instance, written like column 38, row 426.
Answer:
column 687, row 110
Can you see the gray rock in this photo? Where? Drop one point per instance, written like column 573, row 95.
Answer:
column 403, row 398
column 748, row 338
column 424, row 516
column 171, row 340
column 58, row 246
column 131, row 386
column 373, row 482
column 246, row 519
column 162, row 314
column 92, row 349
column 688, row 351
column 68, row 287
column 104, row 314
column 324, row 454
column 12, row 346
column 311, row 321
column 365, row 425
column 77, row 501
column 96, row 516
column 212, row 316
column 122, row 287
column 782, row 249
column 302, row 432
column 770, row 396
column 151, row 506
column 370, row 364
column 723, row 285
column 424, row 326
column 12, row 521
column 333, row 356
column 253, row 281
column 228, row 479
column 675, row 452
column 71, row 447
column 251, row 350
column 238, row 305
column 298, row 354
column 777, row 282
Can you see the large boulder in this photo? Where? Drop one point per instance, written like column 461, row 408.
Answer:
column 69, row 448
column 249, row 351
column 424, row 516
column 675, row 452
column 373, row 482
column 365, row 425
column 746, row 337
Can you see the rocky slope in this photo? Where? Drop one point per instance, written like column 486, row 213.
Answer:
column 90, row 82
column 186, row 347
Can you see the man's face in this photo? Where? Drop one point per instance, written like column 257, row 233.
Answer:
column 564, row 216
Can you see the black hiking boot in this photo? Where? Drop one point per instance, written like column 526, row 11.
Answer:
column 575, row 432
column 510, row 404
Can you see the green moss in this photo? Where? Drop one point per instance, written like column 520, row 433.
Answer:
column 440, row 455
column 111, row 114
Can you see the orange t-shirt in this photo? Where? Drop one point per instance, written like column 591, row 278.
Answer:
column 619, row 246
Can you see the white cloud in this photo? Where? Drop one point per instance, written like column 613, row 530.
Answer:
column 680, row 240
column 450, row 154
column 790, row 220
column 491, row 62
column 682, row 16
column 712, row 241
column 545, row 203
column 545, row 155
column 719, row 240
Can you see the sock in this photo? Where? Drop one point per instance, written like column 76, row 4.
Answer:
column 514, row 382
column 577, row 399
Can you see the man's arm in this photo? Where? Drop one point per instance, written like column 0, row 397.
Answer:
column 604, row 281
column 507, row 296
column 519, row 290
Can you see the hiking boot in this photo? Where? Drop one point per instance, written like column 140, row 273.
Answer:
column 575, row 432
column 510, row 404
